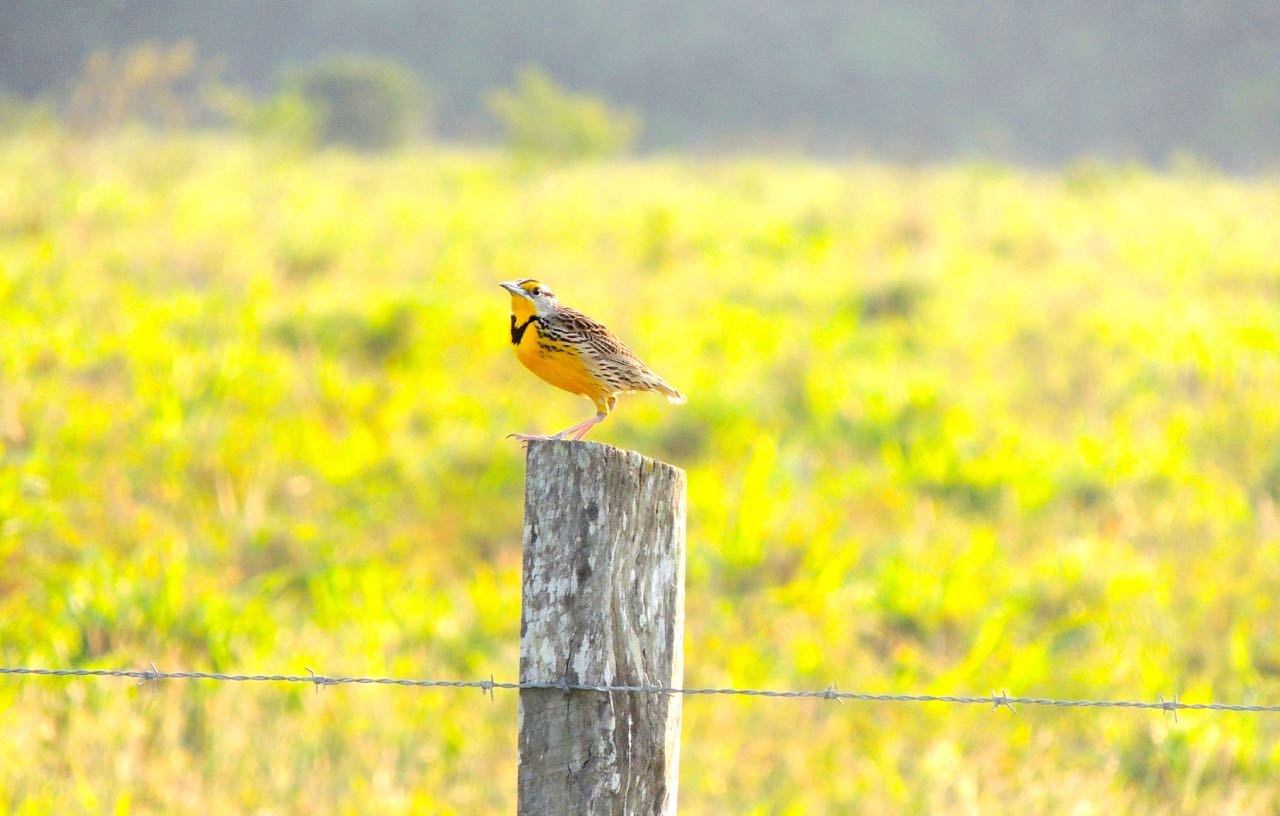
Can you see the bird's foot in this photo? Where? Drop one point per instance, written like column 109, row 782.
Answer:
column 525, row 439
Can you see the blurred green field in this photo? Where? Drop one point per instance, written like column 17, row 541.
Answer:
column 949, row 430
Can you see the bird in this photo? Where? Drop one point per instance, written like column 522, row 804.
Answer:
column 571, row 351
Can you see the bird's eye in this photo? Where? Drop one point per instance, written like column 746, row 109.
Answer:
column 537, row 290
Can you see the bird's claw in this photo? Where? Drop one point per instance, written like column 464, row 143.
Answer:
column 525, row 439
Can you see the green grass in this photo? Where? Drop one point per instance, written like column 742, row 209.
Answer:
column 949, row 430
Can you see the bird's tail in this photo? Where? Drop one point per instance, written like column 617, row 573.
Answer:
column 660, row 385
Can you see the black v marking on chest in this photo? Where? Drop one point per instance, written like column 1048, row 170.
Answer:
column 517, row 332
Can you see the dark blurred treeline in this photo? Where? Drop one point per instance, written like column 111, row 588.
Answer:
column 1014, row 79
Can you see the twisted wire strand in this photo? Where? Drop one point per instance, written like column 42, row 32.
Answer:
column 996, row 701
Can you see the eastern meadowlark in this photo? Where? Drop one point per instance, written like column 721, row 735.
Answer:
column 571, row 351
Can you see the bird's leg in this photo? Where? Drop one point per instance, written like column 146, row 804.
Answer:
column 586, row 426
column 575, row 432
column 528, row 437
column 580, row 430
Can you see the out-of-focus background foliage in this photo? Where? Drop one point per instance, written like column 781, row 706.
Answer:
column 1011, row 78
column 953, row 426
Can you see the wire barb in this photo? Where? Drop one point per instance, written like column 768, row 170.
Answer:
column 832, row 694
column 319, row 680
column 1002, row 701
column 1170, row 706
column 148, row 677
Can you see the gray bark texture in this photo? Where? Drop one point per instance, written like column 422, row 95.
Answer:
column 603, row 604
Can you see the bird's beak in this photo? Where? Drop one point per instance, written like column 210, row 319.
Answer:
column 511, row 287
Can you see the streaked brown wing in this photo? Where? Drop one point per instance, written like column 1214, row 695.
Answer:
column 594, row 336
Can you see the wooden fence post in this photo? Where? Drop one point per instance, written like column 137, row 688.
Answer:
column 603, row 604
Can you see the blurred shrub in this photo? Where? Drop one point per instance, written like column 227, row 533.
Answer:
column 18, row 114
column 153, row 83
column 363, row 102
column 543, row 119
column 285, row 117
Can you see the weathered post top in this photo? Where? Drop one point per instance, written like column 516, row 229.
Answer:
column 603, row 604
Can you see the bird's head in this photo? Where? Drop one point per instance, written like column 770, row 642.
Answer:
column 529, row 297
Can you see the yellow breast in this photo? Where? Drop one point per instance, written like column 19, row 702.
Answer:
column 557, row 363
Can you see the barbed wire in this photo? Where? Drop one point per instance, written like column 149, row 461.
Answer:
column 996, row 701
